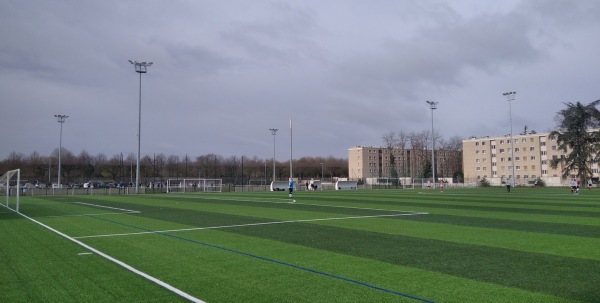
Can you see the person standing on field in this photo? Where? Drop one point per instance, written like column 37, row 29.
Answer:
column 441, row 185
column 291, row 187
column 573, row 186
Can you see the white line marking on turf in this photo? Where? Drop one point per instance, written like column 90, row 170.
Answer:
column 85, row 253
column 85, row 215
column 102, row 206
column 287, row 201
column 120, row 263
column 249, row 224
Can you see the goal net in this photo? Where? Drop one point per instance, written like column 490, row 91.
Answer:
column 194, row 185
column 10, row 185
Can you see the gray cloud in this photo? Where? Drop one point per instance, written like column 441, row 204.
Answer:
column 346, row 72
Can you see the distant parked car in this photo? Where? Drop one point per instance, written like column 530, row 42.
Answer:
column 56, row 185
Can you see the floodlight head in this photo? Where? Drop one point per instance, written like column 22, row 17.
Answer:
column 273, row 131
column 432, row 104
column 141, row 67
column 510, row 96
column 61, row 118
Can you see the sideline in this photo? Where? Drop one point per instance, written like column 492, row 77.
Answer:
column 118, row 262
column 244, row 225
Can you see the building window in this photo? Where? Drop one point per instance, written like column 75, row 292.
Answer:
column 523, row 140
column 483, row 151
column 532, row 158
column 532, row 148
column 483, row 143
column 516, row 149
column 518, row 167
column 517, row 158
column 478, row 168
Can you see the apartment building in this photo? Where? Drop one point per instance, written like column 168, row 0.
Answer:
column 376, row 162
column 492, row 158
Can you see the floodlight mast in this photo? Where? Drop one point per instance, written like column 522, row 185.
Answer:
column 140, row 68
column 273, row 132
column 61, row 120
column 432, row 106
column 510, row 96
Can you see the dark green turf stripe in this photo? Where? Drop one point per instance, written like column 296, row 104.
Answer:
column 542, row 273
column 527, row 226
column 533, row 211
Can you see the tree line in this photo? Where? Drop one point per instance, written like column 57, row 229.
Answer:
column 448, row 152
column 119, row 168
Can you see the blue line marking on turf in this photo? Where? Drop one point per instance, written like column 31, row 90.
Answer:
column 261, row 258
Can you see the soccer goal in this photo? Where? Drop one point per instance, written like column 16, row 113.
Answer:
column 10, row 185
column 194, row 185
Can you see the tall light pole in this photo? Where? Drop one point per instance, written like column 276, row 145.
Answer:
column 510, row 96
column 61, row 120
column 273, row 132
column 432, row 106
column 321, row 172
column 140, row 68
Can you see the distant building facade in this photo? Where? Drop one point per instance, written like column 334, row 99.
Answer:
column 491, row 158
column 376, row 162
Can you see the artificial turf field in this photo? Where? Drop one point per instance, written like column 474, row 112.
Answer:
column 463, row 245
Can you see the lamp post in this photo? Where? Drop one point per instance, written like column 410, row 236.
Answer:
column 273, row 132
column 140, row 68
column 432, row 106
column 61, row 120
column 321, row 172
column 510, row 96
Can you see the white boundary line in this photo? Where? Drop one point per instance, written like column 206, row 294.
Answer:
column 102, row 206
column 287, row 201
column 244, row 225
column 85, row 215
column 120, row 263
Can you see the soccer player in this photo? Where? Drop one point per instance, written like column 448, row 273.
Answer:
column 291, row 187
column 573, row 186
column 441, row 185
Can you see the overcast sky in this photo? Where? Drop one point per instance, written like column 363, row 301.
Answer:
column 345, row 71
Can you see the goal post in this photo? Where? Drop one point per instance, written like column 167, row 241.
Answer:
column 10, row 185
column 194, row 185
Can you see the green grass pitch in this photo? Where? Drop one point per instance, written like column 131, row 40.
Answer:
column 462, row 245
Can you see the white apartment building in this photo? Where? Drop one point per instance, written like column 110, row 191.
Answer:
column 492, row 158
